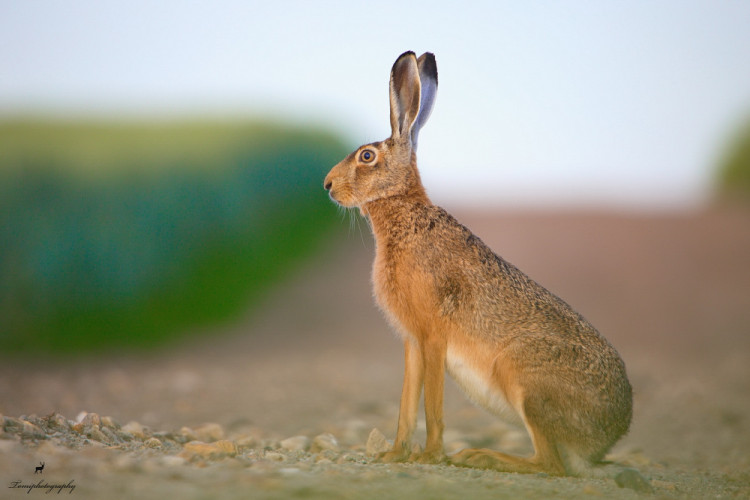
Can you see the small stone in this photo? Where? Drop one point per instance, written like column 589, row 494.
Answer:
column 86, row 421
column 274, row 457
column 58, row 422
column 327, row 454
column 23, row 428
column 270, row 444
column 324, row 442
column 110, row 423
column 97, row 435
column 111, row 436
column 296, row 443
column 189, row 434
column 124, row 436
column 377, row 443
column 152, row 443
column 12, row 425
column 247, row 442
column 209, row 432
column 135, row 429
column 347, row 458
column 632, row 479
column 218, row 449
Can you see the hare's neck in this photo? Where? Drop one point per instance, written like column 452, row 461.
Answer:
column 392, row 217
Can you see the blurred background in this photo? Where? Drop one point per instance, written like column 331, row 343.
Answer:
column 161, row 164
column 168, row 254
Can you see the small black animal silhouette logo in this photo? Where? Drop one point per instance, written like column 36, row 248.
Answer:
column 40, row 468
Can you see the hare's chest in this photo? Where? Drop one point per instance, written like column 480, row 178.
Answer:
column 405, row 293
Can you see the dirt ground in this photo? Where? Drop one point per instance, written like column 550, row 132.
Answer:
column 670, row 291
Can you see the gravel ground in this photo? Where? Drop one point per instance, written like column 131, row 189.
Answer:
column 295, row 399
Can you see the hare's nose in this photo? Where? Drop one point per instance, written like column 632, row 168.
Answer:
column 328, row 185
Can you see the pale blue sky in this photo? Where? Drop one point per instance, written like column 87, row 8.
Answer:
column 624, row 104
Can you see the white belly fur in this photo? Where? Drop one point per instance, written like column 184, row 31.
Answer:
column 476, row 387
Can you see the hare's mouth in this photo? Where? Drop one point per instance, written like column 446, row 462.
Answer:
column 342, row 201
column 340, row 194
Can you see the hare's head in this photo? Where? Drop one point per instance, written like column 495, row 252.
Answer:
column 389, row 168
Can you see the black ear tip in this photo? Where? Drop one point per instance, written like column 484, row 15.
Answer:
column 428, row 64
column 406, row 54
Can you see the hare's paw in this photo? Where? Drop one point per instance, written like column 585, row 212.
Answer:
column 396, row 455
column 473, row 457
column 430, row 457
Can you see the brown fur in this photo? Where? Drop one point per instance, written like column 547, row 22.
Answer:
column 515, row 348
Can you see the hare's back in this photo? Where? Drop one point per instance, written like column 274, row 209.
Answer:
column 486, row 294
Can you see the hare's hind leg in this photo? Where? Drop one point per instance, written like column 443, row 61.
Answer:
column 546, row 457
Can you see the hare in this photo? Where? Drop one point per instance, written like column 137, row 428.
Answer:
column 512, row 346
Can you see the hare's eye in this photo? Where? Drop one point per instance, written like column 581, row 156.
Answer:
column 366, row 156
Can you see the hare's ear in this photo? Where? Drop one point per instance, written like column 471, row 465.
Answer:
column 428, row 79
column 404, row 95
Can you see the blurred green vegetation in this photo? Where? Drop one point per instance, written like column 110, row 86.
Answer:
column 128, row 234
column 734, row 173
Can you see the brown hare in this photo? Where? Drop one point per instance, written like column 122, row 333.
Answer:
column 515, row 348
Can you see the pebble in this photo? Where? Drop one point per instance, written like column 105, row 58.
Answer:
column 274, row 456
column 110, row 423
column 324, row 442
column 327, row 455
column 351, row 458
column 85, row 422
column 217, row 449
column 152, row 443
column 59, row 422
column 124, row 436
column 634, row 480
column 247, row 442
column 296, row 443
column 376, row 443
column 89, row 437
column 23, row 428
column 135, row 429
column 32, row 431
column 207, row 432
column 97, row 435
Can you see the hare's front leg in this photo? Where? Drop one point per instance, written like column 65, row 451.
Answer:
column 410, row 393
column 433, row 353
